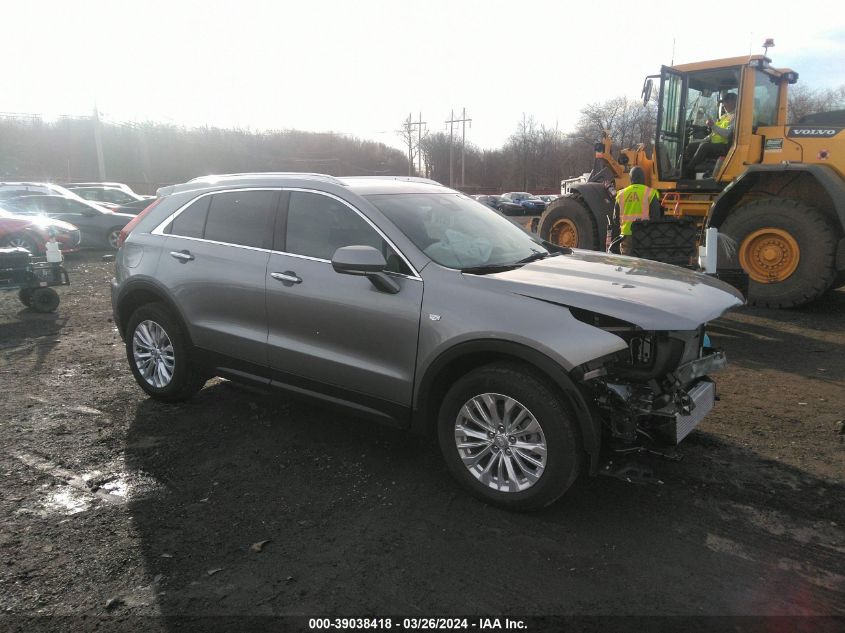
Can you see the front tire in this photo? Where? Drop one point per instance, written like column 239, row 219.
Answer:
column 787, row 248
column 509, row 437
column 568, row 222
column 160, row 355
column 21, row 241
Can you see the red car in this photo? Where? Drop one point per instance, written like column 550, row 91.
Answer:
column 32, row 232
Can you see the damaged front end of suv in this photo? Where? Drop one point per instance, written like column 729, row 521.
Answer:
column 652, row 394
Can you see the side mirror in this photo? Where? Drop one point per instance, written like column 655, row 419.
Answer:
column 364, row 261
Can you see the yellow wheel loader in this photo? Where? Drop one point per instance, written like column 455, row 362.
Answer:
column 777, row 193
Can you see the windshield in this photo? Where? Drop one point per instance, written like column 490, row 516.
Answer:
column 456, row 231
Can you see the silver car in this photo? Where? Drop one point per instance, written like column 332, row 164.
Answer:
column 408, row 302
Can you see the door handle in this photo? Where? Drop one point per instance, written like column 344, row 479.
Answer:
column 182, row 256
column 287, row 277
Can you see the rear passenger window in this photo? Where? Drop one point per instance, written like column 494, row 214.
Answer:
column 318, row 225
column 191, row 222
column 242, row 217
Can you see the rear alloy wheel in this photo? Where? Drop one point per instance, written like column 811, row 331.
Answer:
column 160, row 355
column 21, row 241
column 786, row 247
column 508, row 437
column 153, row 353
column 567, row 222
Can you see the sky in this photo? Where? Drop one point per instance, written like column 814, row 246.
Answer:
column 359, row 67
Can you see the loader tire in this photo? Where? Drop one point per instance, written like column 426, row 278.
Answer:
column 786, row 247
column 568, row 222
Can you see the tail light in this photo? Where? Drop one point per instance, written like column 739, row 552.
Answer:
column 126, row 230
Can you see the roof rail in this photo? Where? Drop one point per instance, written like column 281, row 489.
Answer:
column 292, row 174
column 426, row 181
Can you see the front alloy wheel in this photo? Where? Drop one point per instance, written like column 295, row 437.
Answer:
column 500, row 442
column 508, row 436
column 153, row 353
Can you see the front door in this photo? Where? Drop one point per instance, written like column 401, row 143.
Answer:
column 336, row 333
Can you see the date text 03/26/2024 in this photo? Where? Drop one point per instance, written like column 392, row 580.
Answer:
column 416, row 624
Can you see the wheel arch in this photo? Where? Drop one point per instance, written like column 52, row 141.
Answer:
column 136, row 293
column 815, row 185
column 462, row 358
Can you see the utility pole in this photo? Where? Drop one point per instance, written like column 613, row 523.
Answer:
column 464, row 121
column 98, row 143
column 410, row 138
column 452, row 120
column 419, row 124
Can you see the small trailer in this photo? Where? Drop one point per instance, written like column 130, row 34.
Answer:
column 33, row 278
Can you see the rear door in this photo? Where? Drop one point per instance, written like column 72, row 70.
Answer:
column 215, row 263
column 336, row 333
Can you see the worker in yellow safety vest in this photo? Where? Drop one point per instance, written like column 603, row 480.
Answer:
column 717, row 143
column 634, row 203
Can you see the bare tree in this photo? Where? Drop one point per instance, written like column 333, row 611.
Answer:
column 803, row 100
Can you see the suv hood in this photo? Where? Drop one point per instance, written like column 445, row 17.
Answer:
column 649, row 294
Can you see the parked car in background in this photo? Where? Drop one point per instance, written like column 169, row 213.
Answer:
column 100, row 227
column 134, row 208
column 524, row 358
column 102, row 195
column 528, row 201
column 500, row 204
column 548, row 198
column 15, row 189
column 33, row 232
column 115, row 185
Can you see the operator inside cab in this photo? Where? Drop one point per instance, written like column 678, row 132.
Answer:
column 634, row 203
column 717, row 143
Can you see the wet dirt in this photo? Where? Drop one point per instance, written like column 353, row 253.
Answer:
column 112, row 503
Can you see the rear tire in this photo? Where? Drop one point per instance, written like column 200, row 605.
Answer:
column 153, row 334
column 44, row 300
column 568, row 222
column 766, row 233
column 25, row 296
column 474, row 452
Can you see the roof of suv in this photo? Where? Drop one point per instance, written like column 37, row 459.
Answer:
column 362, row 185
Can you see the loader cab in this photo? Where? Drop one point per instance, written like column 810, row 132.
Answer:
column 687, row 101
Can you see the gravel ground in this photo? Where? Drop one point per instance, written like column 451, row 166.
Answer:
column 239, row 503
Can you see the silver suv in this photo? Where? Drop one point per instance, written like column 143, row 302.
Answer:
column 408, row 302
